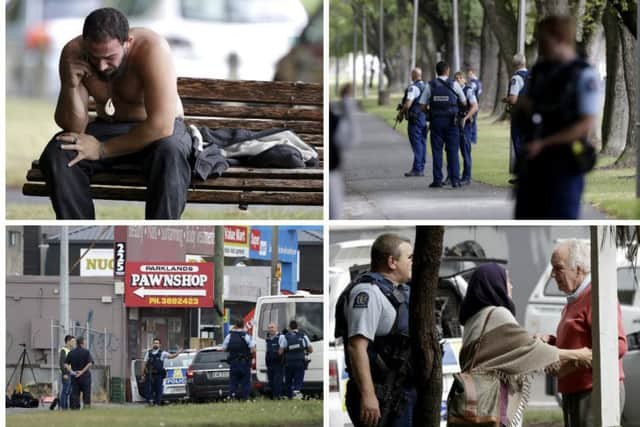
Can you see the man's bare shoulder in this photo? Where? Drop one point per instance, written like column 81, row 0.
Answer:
column 146, row 39
column 73, row 48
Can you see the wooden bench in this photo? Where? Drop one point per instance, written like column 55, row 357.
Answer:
column 235, row 104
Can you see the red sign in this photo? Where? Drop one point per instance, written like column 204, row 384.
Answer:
column 168, row 284
column 255, row 240
column 235, row 234
column 163, row 243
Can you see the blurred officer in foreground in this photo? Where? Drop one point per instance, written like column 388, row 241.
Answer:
column 411, row 109
column 372, row 318
column 443, row 96
column 467, row 117
column 240, row 346
column 273, row 360
column 155, row 373
column 557, row 113
column 78, row 363
column 517, row 88
column 294, row 345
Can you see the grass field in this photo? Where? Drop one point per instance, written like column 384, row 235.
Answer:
column 259, row 413
column 611, row 190
column 30, row 125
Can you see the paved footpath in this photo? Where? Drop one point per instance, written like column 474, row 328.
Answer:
column 376, row 187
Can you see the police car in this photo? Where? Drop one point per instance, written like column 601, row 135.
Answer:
column 174, row 384
column 308, row 311
column 455, row 272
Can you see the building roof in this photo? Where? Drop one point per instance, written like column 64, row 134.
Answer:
column 310, row 236
column 87, row 234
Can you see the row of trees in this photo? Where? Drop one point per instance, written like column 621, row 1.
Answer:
column 607, row 32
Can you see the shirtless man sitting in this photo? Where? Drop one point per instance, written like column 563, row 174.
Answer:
column 131, row 76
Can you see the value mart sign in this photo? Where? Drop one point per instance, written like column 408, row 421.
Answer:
column 168, row 284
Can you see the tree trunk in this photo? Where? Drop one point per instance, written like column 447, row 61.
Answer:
column 489, row 64
column 423, row 329
column 503, row 23
column 614, row 116
column 628, row 156
column 499, row 111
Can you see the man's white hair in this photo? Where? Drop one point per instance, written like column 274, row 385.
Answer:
column 519, row 59
column 579, row 254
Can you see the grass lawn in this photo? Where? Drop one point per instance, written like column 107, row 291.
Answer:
column 30, row 125
column 259, row 413
column 611, row 190
column 543, row 417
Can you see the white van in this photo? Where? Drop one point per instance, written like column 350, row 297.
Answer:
column 308, row 311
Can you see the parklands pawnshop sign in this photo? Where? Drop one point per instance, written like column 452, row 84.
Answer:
column 168, row 284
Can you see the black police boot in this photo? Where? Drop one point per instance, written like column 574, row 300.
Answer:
column 413, row 173
column 435, row 185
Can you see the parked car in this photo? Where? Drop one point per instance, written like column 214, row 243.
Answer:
column 208, row 375
column 308, row 311
column 545, row 308
column 226, row 39
column 455, row 272
column 174, row 384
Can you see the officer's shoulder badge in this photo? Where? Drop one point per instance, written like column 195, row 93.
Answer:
column 361, row 300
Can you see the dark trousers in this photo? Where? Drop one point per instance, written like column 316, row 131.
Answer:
column 404, row 419
column 240, row 379
column 275, row 373
column 465, row 150
column 516, row 140
column 576, row 407
column 445, row 135
column 154, row 389
column 80, row 385
column 542, row 194
column 165, row 166
column 293, row 378
column 418, row 139
column 65, row 391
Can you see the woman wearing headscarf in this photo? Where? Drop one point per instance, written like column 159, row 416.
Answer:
column 506, row 350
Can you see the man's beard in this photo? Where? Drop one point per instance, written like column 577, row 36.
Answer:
column 115, row 74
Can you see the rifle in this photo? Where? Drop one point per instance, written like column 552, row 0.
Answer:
column 398, row 120
column 390, row 394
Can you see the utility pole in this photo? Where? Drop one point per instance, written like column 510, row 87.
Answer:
column 456, row 39
column 275, row 289
column 355, row 55
column 365, row 89
column 638, row 110
column 218, row 282
column 337, row 66
column 415, row 34
column 381, row 58
column 522, row 24
column 64, row 283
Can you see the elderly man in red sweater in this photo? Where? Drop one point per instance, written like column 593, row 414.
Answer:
column 571, row 263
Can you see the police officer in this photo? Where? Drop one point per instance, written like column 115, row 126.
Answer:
column 417, row 122
column 517, row 88
column 294, row 345
column 65, row 379
column 443, row 96
column 372, row 318
column 273, row 360
column 558, row 111
column 467, row 116
column 155, row 372
column 78, row 363
column 476, row 84
column 240, row 346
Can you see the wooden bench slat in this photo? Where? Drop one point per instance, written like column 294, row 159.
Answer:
column 288, row 93
column 253, row 124
column 197, row 196
column 247, row 184
column 252, row 112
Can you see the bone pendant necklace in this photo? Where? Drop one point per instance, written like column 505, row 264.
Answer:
column 109, row 108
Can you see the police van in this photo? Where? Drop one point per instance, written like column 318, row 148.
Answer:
column 308, row 311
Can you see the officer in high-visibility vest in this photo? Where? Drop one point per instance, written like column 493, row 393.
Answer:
column 65, row 378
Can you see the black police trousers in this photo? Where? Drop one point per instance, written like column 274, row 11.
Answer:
column 80, row 385
column 165, row 166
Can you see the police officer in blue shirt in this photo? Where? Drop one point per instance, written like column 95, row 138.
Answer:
column 417, row 122
column 467, row 116
column 443, row 96
column 273, row 360
column 240, row 346
column 517, row 88
column 372, row 319
column 155, row 372
column 294, row 345
column 79, row 363
column 476, row 84
column 558, row 112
